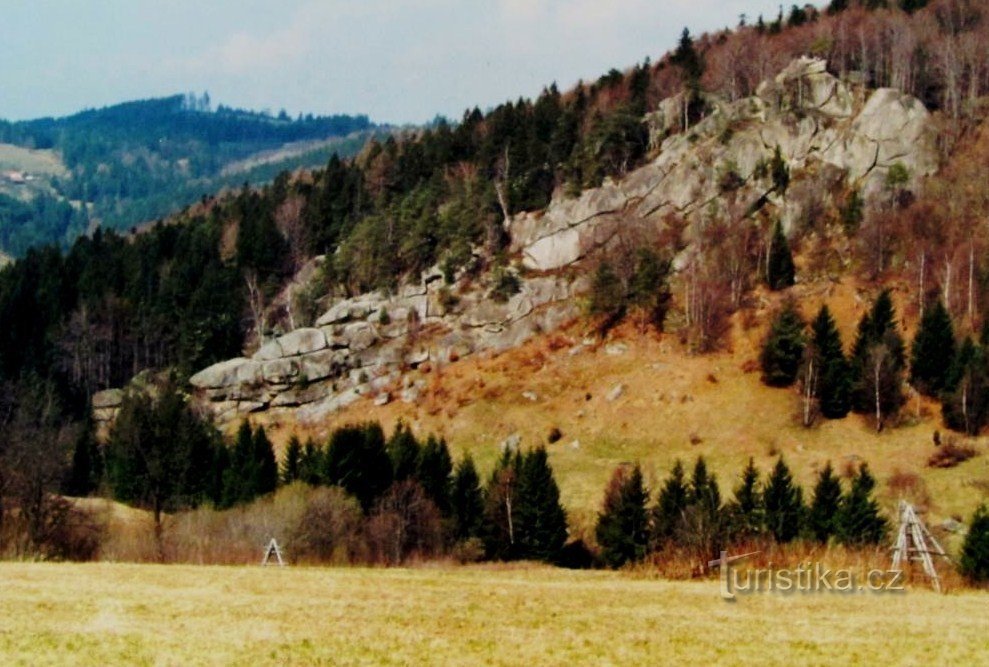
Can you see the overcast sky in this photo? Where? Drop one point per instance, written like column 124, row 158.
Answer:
column 396, row 60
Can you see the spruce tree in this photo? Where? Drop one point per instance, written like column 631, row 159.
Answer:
column 311, row 464
column 667, row 515
column 824, row 507
column 831, row 370
column 784, row 504
column 878, row 359
column 501, row 508
column 293, row 459
column 403, row 448
column 974, row 562
column 622, row 527
column 933, row 351
column 238, row 481
column 266, row 466
column 783, row 350
column 466, row 501
column 858, row 520
column 780, row 271
column 356, row 461
column 965, row 399
column 748, row 513
column 541, row 529
column 433, row 470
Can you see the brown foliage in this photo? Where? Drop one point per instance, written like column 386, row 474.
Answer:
column 951, row 454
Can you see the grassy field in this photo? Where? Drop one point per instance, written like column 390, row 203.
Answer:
column 146, row 614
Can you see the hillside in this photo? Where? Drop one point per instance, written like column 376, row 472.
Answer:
column 595, row 270
column 140, row 161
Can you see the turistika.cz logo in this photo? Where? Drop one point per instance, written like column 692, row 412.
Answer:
column 806, row 578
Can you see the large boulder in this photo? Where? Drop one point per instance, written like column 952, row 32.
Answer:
column 228, row 373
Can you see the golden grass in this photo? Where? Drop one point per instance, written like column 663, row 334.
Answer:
column 33, row 161
column 674, row 406
column 145, row 614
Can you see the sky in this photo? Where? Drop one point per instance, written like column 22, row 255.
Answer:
column 399, row 61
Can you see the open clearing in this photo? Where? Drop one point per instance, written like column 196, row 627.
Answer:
column 148, row 614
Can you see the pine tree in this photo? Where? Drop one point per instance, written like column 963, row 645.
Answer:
column 858, row 520
column 433, row 470
column 541, row 529
column 266, row 466
column 293, row 459
column 703, row 490
column 622, row 527
column 829, row 369
column 403, row 448
column 667, row 515
column 974, row 562
column 824, row 507
column 780, row 271
column 748, row 513
column 784, row 504
column 933, row 350
column 784, row 348
column 466, row 501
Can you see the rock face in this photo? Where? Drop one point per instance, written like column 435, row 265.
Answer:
column 823, row 131
column 828, row 132
column 361, row 346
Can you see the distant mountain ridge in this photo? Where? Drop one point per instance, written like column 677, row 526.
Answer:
column 137, row 161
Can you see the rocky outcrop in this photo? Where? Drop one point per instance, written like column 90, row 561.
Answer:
column 822, row 129
column 363, row 346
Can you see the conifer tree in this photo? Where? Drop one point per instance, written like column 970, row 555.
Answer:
column 500, row 508
column 858, row 520
column 784, row 348
column 824, row 507
column 747, row 510
column 433, row 470
column 541, row 529
column 974, row 562
column 965, row 399
column 404, row 450
column 933, row 351
column 86, row 470
column 293, row 459
column 827, row 367
column 466, row 501
column 356, row 460
column 238, row 480
column 780, row 271
column 311, row 464
column 667, row 515
column 784, row 504
column 878, row 358
column 622, row 527
column 266, row 467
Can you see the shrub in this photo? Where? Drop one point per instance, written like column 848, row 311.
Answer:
column 974, row 562
column 950, row 454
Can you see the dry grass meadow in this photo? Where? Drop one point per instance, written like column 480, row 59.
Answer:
column 674, row 405
column 102, row 613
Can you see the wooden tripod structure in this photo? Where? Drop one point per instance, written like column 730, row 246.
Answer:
column 915, row 543
column 272, row 550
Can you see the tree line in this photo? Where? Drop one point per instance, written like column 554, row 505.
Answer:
column 162, row 456
column 690, row 512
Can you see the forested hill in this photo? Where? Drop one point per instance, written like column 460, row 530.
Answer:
column 139, row 161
